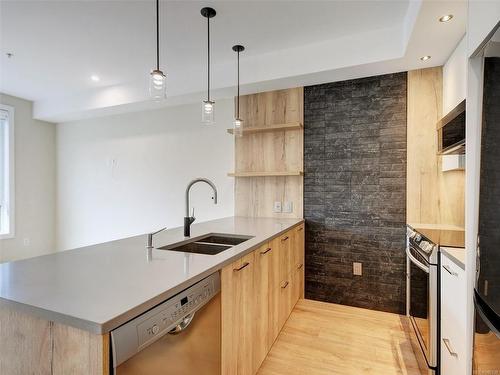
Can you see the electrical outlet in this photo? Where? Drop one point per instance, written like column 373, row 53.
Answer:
column 26, row 241
column 288, row 207
column 357, row 268
column 277, row 207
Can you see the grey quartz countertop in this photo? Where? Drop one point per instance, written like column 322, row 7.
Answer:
column 455, row 254
column 97, row 288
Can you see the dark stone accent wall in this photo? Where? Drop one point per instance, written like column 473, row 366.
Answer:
column 355, row 191
column 489, row 194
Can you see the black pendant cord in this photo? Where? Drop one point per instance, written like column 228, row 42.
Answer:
column 208, row 57
column 157, row 35
column 238, row 99
column 238, row 48
column 208, row 13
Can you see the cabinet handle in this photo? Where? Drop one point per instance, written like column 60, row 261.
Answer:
column 300, row 266
column 284, row 239
column 243, row 266
column 284, row 285
column 447, row 268
column 265, row 251
column 448, row 346
column 301, row 228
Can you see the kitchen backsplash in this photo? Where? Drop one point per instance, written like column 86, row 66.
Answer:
column 355, row 191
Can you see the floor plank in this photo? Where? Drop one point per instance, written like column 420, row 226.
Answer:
column 323, row 338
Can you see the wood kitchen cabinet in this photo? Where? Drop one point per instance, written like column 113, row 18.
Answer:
column 285, row 254
column 238, row 316
column 291, row 286
column 285, row 289
column 298, row 264
column 31, row 345
column 258, row 293
column 285, row 293
column 266, row 277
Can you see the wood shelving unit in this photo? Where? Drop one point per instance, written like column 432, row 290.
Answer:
column 265, row 174
column 268, row 159
column 270, row 128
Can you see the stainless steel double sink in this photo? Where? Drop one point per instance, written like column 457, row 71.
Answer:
column 209, row 244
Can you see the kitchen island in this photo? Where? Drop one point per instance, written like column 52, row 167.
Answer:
column 63, row 305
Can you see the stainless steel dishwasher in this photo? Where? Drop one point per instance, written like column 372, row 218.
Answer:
column 180, row 336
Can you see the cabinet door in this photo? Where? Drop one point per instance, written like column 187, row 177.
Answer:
column 285, row 291
column 237, row 299
column 285, row 254
column 297, row 279
column 453, row 319
column 265, row 276
column 298, row 263
column 298, row 246
column 286, row 268
column 274, row 282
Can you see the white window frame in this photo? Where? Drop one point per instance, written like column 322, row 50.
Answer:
column 9, row 169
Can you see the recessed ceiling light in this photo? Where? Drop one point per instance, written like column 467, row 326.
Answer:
column 446, row 18
column 425, row 58
column 95, row 78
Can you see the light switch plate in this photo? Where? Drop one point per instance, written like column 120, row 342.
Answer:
column 277, row 207
column 357, row 268
column 288, row 207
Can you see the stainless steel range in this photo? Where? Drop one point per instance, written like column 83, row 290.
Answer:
column 422, row 296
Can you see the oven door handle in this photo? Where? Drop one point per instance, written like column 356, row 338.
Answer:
column 415, row 261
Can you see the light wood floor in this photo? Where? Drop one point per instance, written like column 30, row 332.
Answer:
column 322, row 338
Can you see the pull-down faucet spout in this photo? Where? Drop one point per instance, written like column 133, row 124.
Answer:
column 188, row 220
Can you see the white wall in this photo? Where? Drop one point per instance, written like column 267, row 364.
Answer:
column 482, row 16
column 126, row 174
column 455, row 77
column 35, row 184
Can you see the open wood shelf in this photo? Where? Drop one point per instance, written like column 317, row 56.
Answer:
column 270, row 128
column 265, row 174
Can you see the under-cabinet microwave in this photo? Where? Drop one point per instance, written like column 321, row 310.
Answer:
column 451, row 131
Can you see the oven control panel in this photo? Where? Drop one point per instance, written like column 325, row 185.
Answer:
column 150, row 326
column 421, row 243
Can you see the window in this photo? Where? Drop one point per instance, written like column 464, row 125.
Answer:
column 6, row 171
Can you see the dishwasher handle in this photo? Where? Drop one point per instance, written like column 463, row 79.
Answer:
column 183, row 324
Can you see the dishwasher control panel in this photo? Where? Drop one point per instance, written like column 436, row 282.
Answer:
column 132, row 337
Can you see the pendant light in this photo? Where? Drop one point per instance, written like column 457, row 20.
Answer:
column 238, row 122
column 208, row 106
column 157, row 79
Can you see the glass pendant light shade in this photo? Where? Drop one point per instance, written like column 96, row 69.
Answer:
column 208, row 112
column 157, row 85
column 238, row 127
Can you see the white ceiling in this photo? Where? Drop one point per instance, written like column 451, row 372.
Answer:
column 58, row 45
